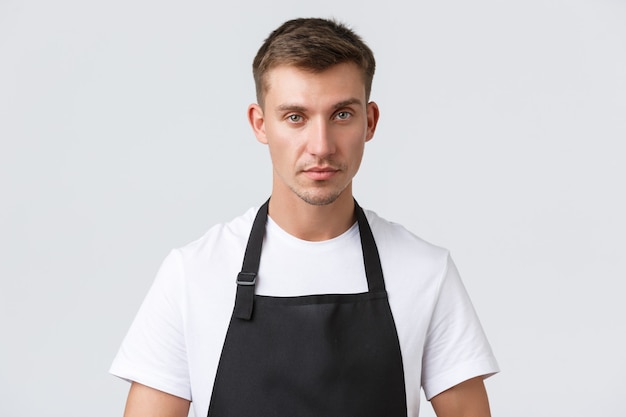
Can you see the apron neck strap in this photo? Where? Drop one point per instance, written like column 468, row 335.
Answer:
column 246, row 279
column 371, row 258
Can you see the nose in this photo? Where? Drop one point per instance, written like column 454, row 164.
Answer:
column 320, row 142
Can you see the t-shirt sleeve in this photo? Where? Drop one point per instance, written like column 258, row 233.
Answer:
column 456, row 347
column 153, row 352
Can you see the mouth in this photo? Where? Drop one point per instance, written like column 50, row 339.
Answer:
column 320, row 173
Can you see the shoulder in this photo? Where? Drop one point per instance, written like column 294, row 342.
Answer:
column 410, row 264
column 222, row 236
column 394, row 237
column 218, row 252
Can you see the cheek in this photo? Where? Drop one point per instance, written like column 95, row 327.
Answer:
column 357, row 147
column 356, row 155
column 285, row 143
column 281, row 152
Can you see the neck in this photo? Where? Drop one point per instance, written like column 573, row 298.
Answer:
column 313, row 223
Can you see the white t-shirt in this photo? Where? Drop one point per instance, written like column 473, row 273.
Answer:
column 175, row 341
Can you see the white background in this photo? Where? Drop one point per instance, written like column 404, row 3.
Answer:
column 123, row 134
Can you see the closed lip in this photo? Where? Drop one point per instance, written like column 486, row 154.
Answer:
column 316, row 169
column 320, row 173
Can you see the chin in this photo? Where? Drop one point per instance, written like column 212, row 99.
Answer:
column 318, row 199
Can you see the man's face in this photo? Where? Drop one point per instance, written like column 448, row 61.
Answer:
column 316, row 126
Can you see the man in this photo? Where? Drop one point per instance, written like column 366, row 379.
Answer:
column 308, row 306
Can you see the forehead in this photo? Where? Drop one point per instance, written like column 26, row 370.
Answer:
column 287, row 83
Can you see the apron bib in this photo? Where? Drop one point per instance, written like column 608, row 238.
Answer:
column 334, row 355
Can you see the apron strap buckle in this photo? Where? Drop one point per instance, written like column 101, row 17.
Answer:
column 246, row 278
column 244, row 300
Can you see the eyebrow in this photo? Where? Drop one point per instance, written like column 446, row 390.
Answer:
column 296, row 107
column 290, row 107
column 347, row 103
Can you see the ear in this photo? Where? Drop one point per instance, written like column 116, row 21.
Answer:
column 257, row 122
column 372, row 119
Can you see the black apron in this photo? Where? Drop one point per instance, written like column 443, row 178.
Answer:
column 334, row 355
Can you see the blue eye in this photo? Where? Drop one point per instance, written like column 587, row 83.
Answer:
column 343, row 115
column 294, row 118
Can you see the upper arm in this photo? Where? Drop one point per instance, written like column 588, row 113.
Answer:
column 154, row 351
column 456, row 348
column 467, row 399
column 144, row 401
